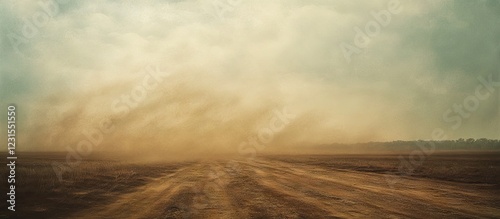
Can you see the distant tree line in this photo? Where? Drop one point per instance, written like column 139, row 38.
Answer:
column 459, row 144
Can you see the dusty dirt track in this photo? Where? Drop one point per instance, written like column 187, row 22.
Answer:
column 267, row 188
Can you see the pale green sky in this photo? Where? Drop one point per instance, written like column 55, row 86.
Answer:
column 232, row 63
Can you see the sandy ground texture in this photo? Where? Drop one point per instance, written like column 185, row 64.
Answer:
column 273, row 188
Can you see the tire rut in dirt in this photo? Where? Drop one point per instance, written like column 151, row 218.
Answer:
column 257, row 201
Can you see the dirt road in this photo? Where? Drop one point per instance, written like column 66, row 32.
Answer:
column 266, row 188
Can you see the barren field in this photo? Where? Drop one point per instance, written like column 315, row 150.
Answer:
column 293, row 186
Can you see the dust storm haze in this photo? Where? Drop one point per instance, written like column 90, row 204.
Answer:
column 191, row 79
column 250, row 109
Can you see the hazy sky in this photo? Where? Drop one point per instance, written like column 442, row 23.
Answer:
column 228, row 65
